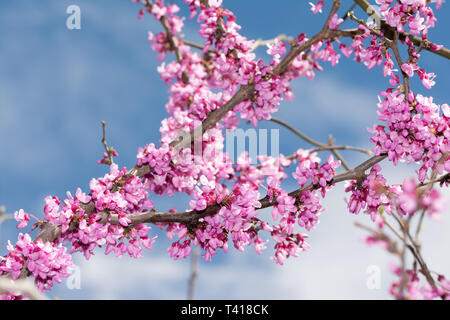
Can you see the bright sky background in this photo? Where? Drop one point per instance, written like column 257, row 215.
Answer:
column 56, row 85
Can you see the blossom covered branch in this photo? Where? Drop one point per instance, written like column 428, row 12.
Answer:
column 212, row 91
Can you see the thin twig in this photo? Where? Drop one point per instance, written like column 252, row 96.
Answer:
column 194, row 273
column 394, row 230
column 441, row 179
column 298, row 133
column 109, row 151
column 394, row 46
column 336, row 153
column 419, row 227
column 195, row 45
column 378, row 234
column 346, row 15
column 172, row 41
column 260, row 42
column 365, row 151
column 414, row 249
column 312, row 141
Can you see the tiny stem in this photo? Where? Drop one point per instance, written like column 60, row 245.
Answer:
column 312, row 141
column 108, row 150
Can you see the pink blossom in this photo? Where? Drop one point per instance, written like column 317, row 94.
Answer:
column 22, row 217
column 408, row 68
column 315, row 8
column 335, row 22
column 408, row 199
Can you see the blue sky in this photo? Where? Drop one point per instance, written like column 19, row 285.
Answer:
column 56, row 85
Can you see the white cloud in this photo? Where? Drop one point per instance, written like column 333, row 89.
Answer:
column 158, row 277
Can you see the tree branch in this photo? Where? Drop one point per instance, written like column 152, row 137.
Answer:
column 389, row 31
column 192, row 217
column 246, row 91
column 172, row 41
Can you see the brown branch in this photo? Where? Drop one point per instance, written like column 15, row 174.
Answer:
column 109, row 150
column 166, row 27
column 184, row 140
column 333, row 147
column 415, row 250
column 388, row 31
column 336, row 153
column 346, row 15
column 50, row 232
column 172, row 41
column 442, row 179
column 191, row 217
column 394, row 46
column 195, row 45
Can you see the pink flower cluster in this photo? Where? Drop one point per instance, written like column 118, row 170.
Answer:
column 287, row 245
column 309, row 168
column 379, row 197
column 415, row 290
column 86, row 232
column 414, row 16
column 412, row 198
column 22, row 217
column 372, row 193
column 46, row 262
column 13, row 296
column 415, row 131
column 105, row 159
column 317, row 8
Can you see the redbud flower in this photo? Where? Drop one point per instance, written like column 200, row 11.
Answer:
column 22, row 217
column 315, row 8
